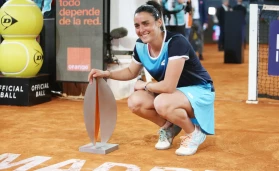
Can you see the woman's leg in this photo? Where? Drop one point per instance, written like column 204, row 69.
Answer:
column 141, row 103
column 176, row 111
column 179, row 112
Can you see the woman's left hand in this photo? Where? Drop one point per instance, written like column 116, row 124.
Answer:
column 139, row 85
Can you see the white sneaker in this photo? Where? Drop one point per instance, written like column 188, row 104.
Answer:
column 165, row 140
column 190, row 143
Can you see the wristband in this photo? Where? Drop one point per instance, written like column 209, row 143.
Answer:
column 145, row 87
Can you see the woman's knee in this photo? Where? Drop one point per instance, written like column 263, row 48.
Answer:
column 135, row 103
column 162, row 106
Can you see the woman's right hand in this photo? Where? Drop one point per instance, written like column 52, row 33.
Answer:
column 96, row 73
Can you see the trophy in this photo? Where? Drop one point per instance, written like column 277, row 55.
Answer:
column 100, row 114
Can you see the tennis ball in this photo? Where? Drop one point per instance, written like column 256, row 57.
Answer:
column 20, row 18
column 22, row 58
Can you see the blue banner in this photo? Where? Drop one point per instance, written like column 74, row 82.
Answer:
column 273, row 57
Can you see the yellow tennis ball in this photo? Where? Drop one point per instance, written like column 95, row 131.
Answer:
column 20, row 18
column 22, row 58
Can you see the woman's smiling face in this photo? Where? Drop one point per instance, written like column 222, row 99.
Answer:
column 146, row 27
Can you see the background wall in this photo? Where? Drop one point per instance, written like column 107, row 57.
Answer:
column 122, row 13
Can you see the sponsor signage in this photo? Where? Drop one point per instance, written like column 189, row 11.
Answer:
column 24, row 91
column 79, row 38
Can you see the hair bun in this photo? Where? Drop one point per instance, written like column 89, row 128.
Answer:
column 155, row 5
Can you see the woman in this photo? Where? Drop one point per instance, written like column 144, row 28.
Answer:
column 183, row 94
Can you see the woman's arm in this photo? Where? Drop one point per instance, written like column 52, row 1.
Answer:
column 123, row 74
column 169, row 84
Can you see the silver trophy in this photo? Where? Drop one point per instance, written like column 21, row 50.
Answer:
column 100, row 114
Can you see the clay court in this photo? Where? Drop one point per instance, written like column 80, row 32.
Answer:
column 247, row 135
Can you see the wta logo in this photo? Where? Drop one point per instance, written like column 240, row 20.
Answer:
column 38, row 58
column 7, row 21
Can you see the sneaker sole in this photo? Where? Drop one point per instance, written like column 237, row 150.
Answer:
column 165, row 148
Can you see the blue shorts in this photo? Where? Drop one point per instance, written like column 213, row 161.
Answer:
column 202, row 99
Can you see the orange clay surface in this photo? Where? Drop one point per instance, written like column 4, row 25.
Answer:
column 247, row 135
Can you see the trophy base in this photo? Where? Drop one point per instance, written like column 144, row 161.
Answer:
column 99, row 148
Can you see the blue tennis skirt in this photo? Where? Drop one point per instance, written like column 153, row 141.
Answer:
column 202, row 99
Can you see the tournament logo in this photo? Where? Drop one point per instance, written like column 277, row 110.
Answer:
column 38, row 58
column 7, row 21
